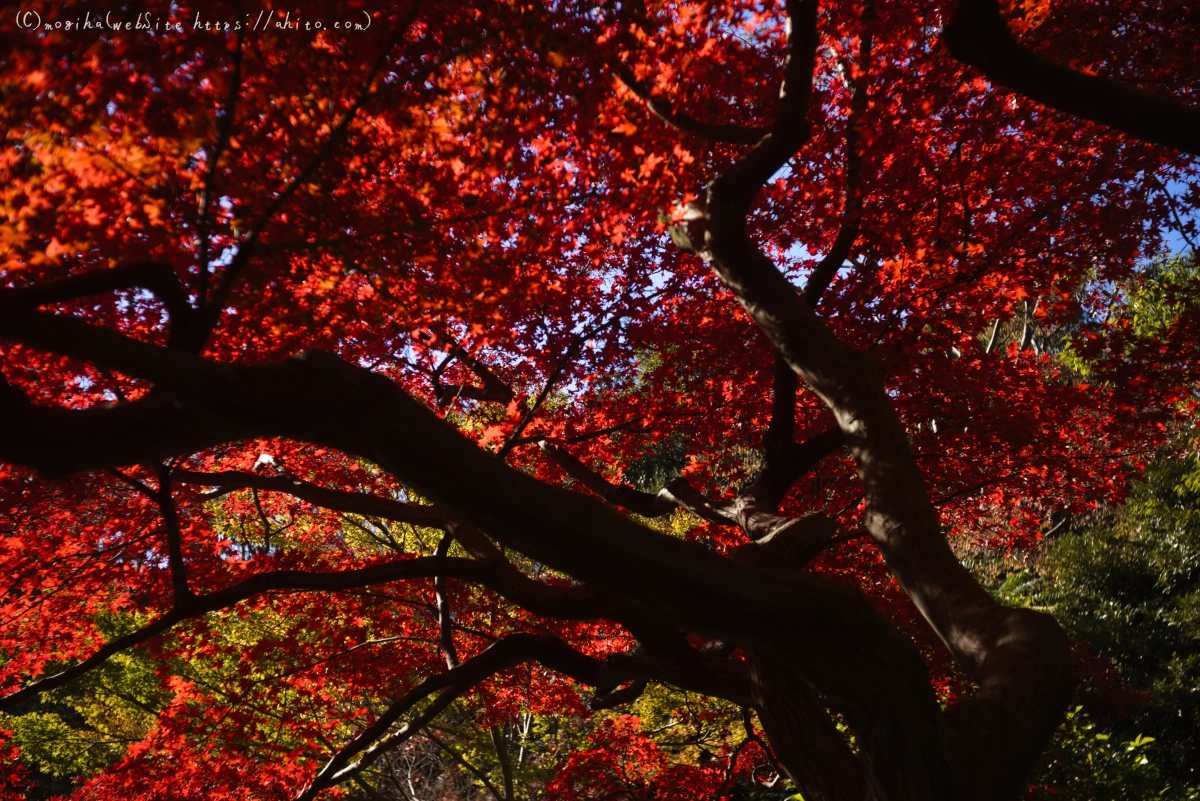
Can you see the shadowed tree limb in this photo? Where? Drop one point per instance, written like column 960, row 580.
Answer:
column 182, row 594
column 153, row 276
column 197, row 605
column 789, row 541
column 977, row 35
column 494, row 389
column 374, row 741
column 623, row 695
column 565, row 599
column 749, row 511
column 564, row 602
column 507, row 652
column 820, row 624
column 506, row 771
column 714, row 132
column 445, row 620
column 781, row 431
column 805, row 740
column 338, row 500
column 1020, row 658
column 623, row 495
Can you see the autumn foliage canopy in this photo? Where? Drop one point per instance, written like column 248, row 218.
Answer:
column 517, row 361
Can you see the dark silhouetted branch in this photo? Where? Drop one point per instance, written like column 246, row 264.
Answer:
column 715, row 132
column 445, row 619
column 505, row 653
column 358, row 503
column 153, row 276
column 977, row 35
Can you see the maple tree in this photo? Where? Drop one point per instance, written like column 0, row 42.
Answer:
column 493, row 353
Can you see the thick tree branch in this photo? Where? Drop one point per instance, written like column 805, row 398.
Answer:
column 505, row 653
column 755, row 512
column 182, row 594
column 811, row 749
column 623, row 695
column 753, row 736
column 156, row 277
column 780, row 433
column 30, row 691
column 642, row 503
column 788, row 464
column 786, row 542
column 741, row 182
column 559, row 601
column 687, row 669
column 506, row 771
column 1019, row 657
column 977, row 35
column 819, row 624
column 804, row 456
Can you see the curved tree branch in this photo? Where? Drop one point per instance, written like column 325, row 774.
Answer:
column 564, row 602
column 1019, row 657
column 977, row 35
column 825, row 627
column 636, row 501
column 197, row 605
column 339, row 500
column 505, row 653
column 153, row 276
column 807, row 744
column 494, row 389
column 714, row 132
column 182, row 594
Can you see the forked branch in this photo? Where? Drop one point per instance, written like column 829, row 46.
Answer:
column 1020, row 658
column 818, row 624
column 507, row 652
